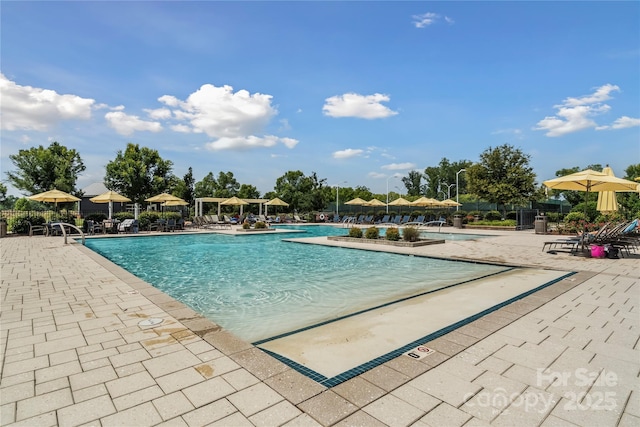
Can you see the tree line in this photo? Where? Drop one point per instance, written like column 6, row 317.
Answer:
column 502, row 175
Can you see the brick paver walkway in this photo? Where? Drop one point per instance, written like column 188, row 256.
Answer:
column 75, row 353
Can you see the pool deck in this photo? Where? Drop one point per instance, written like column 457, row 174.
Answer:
column 74, row 352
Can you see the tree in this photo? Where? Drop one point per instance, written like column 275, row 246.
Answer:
column 303, row 193
column 413, row 183
column 184, row 187
column 247, row 191
column 630, row 202
column 138, row 173
column 502, row 176
column 206, row 187
column 226, row 185
column 43, row 169
column 442, row 178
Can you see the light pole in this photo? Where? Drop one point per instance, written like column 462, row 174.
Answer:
column 458, row 188
column 449, row 190
column 392, row 176
column 337, row 194
column 444, row 195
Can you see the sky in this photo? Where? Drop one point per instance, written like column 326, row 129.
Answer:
column 358, row 92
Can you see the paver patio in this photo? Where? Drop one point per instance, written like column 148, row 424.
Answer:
column 75, row 353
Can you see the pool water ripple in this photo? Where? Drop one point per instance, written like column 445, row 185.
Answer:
column 259, row 286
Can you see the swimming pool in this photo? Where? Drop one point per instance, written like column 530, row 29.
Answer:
column 258, row 286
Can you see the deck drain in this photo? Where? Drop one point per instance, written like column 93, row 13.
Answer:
column 152, row 321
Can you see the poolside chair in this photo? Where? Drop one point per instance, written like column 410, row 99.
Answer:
column 125, row 226
column 38, row 229
column 405, row 219
column 297, row 218
column 419, row 221
column 384, row 220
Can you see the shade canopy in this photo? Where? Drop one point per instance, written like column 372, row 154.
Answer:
column 356, row 202
column 589, row 180
column 234, row 201
column 54, row 196
column 607, row 202
column 276, row 202
column 450, row 203
column 400, row 202
column 162, row 198
column 376, row 202
column 425, row 201
column 110, row 196
column 180, row 202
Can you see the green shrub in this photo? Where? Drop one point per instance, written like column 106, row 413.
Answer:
column 260, row 224
column 512, row 215
column 372, row 233
column 355, row 232
column 392, row 234
column 146, row 218
column 493, row 216
column 20, row 224
column 246, row 225
column 574, row 216
column 410, row 234
column 121, row 216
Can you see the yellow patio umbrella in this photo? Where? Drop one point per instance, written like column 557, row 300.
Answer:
column 162, row 197
column 376, row 202
column 400, row 201
column 425, row 201
column 357, row 202
column 235, row 201
column 607, row 202
column 54, row 196
column 175, row 203
column 110, row 197
column 275, row 202
column 450, row 203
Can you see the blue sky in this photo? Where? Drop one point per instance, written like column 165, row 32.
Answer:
column 354, row 91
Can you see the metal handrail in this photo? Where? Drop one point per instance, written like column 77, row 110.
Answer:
column 64, row 232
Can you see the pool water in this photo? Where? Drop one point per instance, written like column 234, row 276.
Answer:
column 259, row 286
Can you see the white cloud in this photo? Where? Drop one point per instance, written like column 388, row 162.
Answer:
column 159, row 113
column 221, row 113
column 346, row 154
column 622, row 123
column 29, row 108
column 575, row 114
column 126, row 124
column 249, row 142
column 361, row 106
column 399, row 166
column 429, row 18
column 376, row 175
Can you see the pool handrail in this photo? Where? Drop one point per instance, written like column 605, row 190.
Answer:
column 64, row 231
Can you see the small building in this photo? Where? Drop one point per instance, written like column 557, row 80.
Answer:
column 93, row 190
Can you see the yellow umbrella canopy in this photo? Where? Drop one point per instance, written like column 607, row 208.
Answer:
column 110, row 196
column 356, row 202
column 376, row 202
column 451, row 203
column 589, row 180
column 400, row 202
column 175, row 203
column 276, row 202
column 234, row 201
column 54, row 196
column 607, row 201
column 162, row 197
column 425, row 201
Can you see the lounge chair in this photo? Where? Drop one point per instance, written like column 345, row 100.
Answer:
column 418, row 222
column 297, row 218
column 384, row 220
column 38, row 229
column 126, row 226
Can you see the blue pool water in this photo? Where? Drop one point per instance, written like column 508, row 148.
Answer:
column 259, row 286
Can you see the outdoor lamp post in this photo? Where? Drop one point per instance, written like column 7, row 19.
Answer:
column 449, row 190
column 337, row 196
column 392, row 176
column 458, row 188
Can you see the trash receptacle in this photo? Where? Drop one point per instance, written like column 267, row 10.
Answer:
column 540, row 224
column 457, row 221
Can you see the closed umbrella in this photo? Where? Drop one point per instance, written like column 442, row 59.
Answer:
column 110, row 197
column 607, row 202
